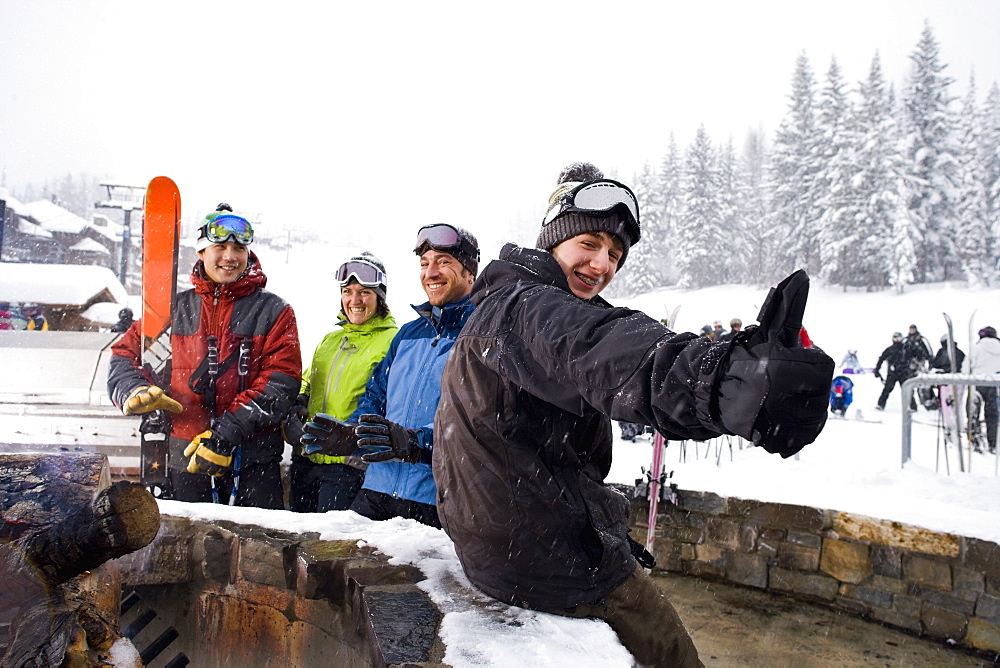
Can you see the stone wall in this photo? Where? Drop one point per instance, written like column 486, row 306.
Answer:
column 939, row 585
column 247, row 596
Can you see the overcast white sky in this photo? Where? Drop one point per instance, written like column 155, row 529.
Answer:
column 368, row 118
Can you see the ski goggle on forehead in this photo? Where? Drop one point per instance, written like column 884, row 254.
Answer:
column 365, row 273
column 589, row 197
column 221, row 228
column 443, row 237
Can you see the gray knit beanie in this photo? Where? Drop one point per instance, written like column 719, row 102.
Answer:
column 616, row 221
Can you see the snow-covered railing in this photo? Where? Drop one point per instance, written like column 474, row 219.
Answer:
column 934, row 379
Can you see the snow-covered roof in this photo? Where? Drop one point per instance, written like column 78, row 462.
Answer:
column 12, row 202
column 25, row 226
column 104, row 313
column 74, row 284
column 53, row 217
column 89, row 245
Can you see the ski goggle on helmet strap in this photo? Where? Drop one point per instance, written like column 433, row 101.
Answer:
column 227, row 226
column 591, row 197
column 443, row 238
column 364, row 272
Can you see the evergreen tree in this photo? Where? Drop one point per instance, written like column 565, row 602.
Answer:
column 641, row 273
column 990, row 152
column 757, row 225
column 669, row 187
column 840, row 233
column 933, row 166
column 880, row 170
column 737, row 249
column 700, row 239
column 794, row 166
column 972, row 229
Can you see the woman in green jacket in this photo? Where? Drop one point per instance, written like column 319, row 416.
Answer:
column 331, row 384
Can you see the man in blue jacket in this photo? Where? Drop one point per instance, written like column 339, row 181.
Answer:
column 395, row 415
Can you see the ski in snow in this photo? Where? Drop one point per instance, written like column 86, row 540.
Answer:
column 161, row 221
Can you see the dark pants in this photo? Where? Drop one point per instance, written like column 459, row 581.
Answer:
column 644, row 620
column 317, row 488
column 990, row 414
column 891, row 379
column 259, row 486
column 379, row 506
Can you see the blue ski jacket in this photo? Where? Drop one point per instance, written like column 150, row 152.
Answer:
column 405, row 388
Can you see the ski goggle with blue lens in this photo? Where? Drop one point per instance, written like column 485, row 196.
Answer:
column 365, row 273
column 221, row 228
column 443, row 238
column 591, row 197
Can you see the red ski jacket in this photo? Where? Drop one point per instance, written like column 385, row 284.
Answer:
column 241, row 315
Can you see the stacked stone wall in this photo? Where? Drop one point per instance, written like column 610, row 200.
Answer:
column 934, row 584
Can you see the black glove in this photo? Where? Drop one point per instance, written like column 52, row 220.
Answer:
column 771, row 377
column 327, row 435
column 641, row 554
column 209, row 454
column 291, row 426
column 386, row 441
column 878, row 374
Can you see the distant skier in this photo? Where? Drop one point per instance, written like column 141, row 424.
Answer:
column 850, row 364
column 985, row 360
column 735, row 325
column 942, row 360
column 897, row 370
column 841, row 395
column 917, row 349
column 125, row 320
column 34, row 319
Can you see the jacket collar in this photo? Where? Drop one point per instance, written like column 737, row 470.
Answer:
column 523, row 264
column 252, row 279
column 451, row 315
column 373, row 324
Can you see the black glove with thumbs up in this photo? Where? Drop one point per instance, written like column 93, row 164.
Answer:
column 775, row 392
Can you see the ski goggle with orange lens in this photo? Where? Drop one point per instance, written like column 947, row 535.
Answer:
column 591, row 197
column 221, row 228
column 365, row 273
column 443, row 238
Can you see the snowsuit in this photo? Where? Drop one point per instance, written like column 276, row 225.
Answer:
column 898, row 370
column 341, row 367
column 985, row 359
column 524, row 443
column 405, row 388
column 242, row 315
column 942, row 361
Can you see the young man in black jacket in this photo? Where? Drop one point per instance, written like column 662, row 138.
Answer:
column 897, row 370
column 525, row 437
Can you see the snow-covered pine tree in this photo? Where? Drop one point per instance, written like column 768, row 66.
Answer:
column 990, row 152
column 972, row 229
column 795, row 201
column 839, row 233
column 732, row 198
column 880, row 170
column 670, row 178
column 700, row 237
column 753, row 167
column 932, row 162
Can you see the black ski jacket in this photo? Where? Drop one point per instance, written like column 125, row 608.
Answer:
column 522, row 435
column 895, row 357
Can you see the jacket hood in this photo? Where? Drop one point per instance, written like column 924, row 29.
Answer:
column 374, row 324
column 523, row 263
column 252, row 279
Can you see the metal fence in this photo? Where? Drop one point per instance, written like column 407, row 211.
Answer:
column 935, row 379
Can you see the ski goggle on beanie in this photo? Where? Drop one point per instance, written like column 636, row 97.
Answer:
column 364, row 272
column 447, row 239
column 591, row 197
column 224, row 227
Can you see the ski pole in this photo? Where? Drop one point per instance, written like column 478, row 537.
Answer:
column 237, row 467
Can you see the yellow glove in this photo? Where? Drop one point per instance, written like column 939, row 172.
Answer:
column 209, row 454
column 146, row 398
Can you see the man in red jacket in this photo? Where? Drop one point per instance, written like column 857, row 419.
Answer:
column 224, row 433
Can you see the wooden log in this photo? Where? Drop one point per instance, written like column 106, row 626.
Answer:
column 60, row 519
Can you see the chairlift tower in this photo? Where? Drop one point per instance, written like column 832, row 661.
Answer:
column 127, row 199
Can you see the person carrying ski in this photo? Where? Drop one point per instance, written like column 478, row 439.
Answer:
column 341, row 367
column 524, row 438
column 235, row 371
column 984, row 359
column 897, row 370
column 942, row 360
column 394, row 421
